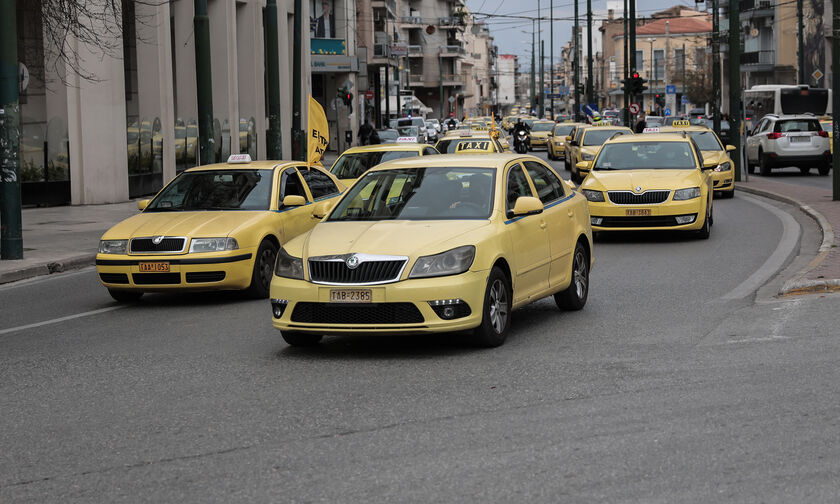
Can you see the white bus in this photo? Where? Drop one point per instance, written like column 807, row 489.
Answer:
column 785, row 99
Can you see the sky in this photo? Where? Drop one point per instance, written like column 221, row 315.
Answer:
column 508, row 34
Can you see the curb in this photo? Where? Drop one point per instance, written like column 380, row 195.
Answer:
column 48, row 268
column 798, row 285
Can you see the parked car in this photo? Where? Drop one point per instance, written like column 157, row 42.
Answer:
column 788, row 140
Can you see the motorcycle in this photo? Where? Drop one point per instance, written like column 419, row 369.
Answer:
column 521, row 141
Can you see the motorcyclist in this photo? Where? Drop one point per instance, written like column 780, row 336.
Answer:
column 521, row 126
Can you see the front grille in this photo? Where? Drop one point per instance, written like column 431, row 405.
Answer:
column 168, row 244
column 114, row 278
column 717, row 183
column 156, row 278
column 367, row 272
column 351, row 313
column 656, row 221
column 204, row 276
column 645, row 198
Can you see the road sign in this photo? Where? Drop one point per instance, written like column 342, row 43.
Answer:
column 451, row 99
column 553, row 95
column 684, row 100
column 671, row 89
column 563, row 90
column 369, row 94
column 817, row 75
column 634, row 108
column 667, row 111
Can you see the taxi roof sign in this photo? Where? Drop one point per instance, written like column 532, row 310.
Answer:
column 239, row 159
column 406, row 140
column 681, row 124
column 651, row 130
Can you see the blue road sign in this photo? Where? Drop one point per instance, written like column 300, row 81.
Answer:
column 685, row 100
column 667, row 111
column 671, row 89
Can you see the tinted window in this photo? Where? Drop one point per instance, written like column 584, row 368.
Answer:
column 517, row 185
column 547, row 184
column 597, row 136
column 542, row 127
column 355, row 164
column 646, row 156
column 216, row 190
column 319, row 183
column 563, row 130
column 428, row 151
column 793, row 125
column 706, row 140
column 291, row 184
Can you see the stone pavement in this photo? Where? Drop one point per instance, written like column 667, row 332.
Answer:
column 823, row 273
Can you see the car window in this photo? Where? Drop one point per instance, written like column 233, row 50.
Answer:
column 216, row 190
column 291, row 185
column 353, row 165
column 578, row 134
column 597, row 136
column 563, row 130
column 765, row 125
column 429, row 151
column 547, row 184
column 517, row 185
column 794, row 125
column 646, row 156
column 706, row 140
column 319, row 183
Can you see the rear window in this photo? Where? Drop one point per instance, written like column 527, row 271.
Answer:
column 794, row 125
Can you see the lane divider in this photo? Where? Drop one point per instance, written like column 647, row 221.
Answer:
column 60, row 319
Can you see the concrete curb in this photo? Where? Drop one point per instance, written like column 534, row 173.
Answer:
column 48, row 267
column 798, row 284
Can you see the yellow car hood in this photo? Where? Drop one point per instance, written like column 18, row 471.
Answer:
column 716, row 156
column 390, row 237
column 628, row 180
column 540, row 134
column 205, row 224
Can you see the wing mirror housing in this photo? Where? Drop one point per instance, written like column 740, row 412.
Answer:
column 527, row 205
column 709, row 164
column 730, row 148
column 294, row 201
column 142, row 204
column 320, row 213
column 583, row 167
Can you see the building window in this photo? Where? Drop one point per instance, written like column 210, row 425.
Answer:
column 659, row 62
column 679, row 60
column 640, row 61
column 699, row 58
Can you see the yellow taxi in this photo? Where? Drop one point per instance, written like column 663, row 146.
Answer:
column 469, row 142
column 828, row 125
column 508, row 121
column 713, row 151
column 214, row 227
column 557, row 140
column 649, row 182
column 448, row 243
column 540, row 130
column 353, row 162
column 584, row 146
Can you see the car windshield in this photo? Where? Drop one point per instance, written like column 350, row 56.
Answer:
column 408, row 131
column 598, row 136
column 354, row 165
column 706, row 140
column 388, row 134
column 542, row 126
column 450, row 146
column 215, row 190
column 646, row 156
column 419, row 194
column 529, row 122
column 563, row 130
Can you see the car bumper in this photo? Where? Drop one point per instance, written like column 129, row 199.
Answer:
column 538, row 142
column 815, row 159
column 662, row 217
column 559, row 150
column 210, row 271
column 723, row 181
column 318, row 315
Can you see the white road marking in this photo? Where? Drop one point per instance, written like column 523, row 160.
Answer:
column 60, row 319
column 778, row 325
column 774, row 263
column 45, row 278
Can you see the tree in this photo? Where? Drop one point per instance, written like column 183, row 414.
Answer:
column 698, row 85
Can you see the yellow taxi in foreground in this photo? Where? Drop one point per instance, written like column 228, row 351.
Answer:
column 557, row 140
column 539, row 133
column 586, row 143
column 214, row 227
column 468, row 142
column 353, row 162
column 649, row 182
column 447, row 243
column 828, row 125
column 713, row 150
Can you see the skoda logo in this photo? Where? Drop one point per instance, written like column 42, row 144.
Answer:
column 638, row 189
column 157, row 239
column 352, row 262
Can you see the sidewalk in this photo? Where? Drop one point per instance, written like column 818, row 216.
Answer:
column 823, row 273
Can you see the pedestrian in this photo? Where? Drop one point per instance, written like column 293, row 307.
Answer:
column 640, row 126
column 373, row 138
column 364, row 133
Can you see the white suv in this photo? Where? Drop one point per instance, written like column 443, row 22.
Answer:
column 788, row 140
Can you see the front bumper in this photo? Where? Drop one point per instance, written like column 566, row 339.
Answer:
column 662, row 217
column 207, row 271
column 723, row 181
column 468, row 287
column 539, row 142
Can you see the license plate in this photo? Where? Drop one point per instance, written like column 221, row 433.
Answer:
column 800, row 139
column 350, row 296
column 154, row 267
column 641, row 212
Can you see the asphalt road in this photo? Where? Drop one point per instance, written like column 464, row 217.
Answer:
column 792, row 175
column 663, row 389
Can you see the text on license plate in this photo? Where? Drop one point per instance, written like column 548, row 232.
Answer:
column 637, row 212
column 800, row 139
column 350, row 295
column 154, row 267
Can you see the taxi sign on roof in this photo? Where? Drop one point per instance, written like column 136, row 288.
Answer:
column 651, row 130
column 600, row 124
column 406, row 140
column 476, row 146
column 681, row 124
column 239, row 159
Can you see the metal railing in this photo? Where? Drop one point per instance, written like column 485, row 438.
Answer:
column 452, row 49
column 453, row 80
column 381, row 50
column 758, row 58
column 412, row 20
column 448, row 21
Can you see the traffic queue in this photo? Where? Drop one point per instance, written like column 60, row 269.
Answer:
column 407, row 238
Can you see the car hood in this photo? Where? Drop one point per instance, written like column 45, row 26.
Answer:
column 393, row 237
column 602, row 180
column 205, row 224
column 716, row 156
column 540, row 134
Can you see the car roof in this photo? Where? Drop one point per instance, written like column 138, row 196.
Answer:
column 611, row 127
column 493, row 160
column 677, row 129
column 658, row 137
column 253, row 165
column 405, row 146
column 472, row 134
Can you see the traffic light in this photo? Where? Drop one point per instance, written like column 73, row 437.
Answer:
column 638, row 84
column 347, row 96
column 660, row 100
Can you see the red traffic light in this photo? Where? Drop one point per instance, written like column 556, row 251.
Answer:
column 635, row 75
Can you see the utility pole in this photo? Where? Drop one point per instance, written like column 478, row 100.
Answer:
column 626, row 70
column 735, row 83
column 716, row 80
column 590, row 92
column 835, row 78
column 204, row 84
column 551, row 58
column 275, row 138
column 11, row 229
column 576, row 62
column 298, row 148
column 800, row 29
column 632, row 32
column 542, row 79
column 533, row 66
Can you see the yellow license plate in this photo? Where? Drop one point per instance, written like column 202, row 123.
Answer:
column 350, row 296
column 641, row 212
column 154, row 267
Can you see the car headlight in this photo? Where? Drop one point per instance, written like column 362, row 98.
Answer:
column 451, row 262
column 687, row 194
column 586, row 156
column 113, row 246
column 591, row 195
column 288, row 266
column 724, row 167
column 213, row 244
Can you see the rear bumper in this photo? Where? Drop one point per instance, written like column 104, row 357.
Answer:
column 774, row 159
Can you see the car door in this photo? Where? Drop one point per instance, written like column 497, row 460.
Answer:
column 529, row 236
column 296, row 220
column 322, row 188
column 754, row 140
column 559, row 215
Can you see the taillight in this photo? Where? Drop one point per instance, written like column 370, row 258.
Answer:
column 823, row 133
column 774, row 135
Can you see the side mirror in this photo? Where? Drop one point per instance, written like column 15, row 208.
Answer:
column 568, row 139
column 320, row 213
column 730, row 148
column 709, row 164
column 294, row 201
column 527, row 205
column 142, row 204
column 584, row 167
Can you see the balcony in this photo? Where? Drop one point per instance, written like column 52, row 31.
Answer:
column 415, row 51
column 449, row 22
column 390, row 5
column 416, row 80
column 381, row 51
column 412, row 22
column 758, row 61
column 453, row 80
column 756, row 9
column 452, row 50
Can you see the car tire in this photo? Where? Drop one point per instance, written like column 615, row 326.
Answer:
column 550, row 154
column 125, row 296
column 496, row 311
column 728, row 194
column 824, row 169
column 750, row 167
column 263, row 270
column 805, row 170
column 300, row 339
column 764, row 166
column 706, row 230
column 575, row 296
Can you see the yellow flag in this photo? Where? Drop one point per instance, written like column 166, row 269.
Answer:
column 318, row 132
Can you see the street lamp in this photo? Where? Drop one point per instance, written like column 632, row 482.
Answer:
column 653, row 74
